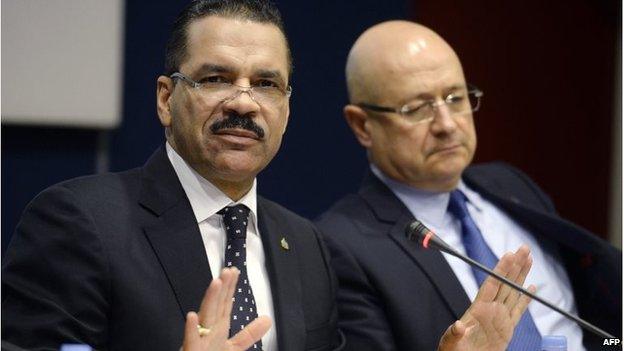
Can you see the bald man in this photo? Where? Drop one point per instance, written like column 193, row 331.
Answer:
column 412, row 110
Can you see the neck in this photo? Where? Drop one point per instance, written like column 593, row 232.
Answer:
column 437, row 185
column 440, row 185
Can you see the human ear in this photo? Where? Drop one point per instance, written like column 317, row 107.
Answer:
column 164, row 90
column 358, row 121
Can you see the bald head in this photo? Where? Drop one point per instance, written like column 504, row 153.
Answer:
column 399, row 67
column 392, row 50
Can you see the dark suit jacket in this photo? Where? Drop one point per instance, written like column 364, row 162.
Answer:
column 395, row 295
column 116, row 261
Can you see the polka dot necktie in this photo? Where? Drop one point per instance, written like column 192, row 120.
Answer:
column 244, row 304
column 526, row 336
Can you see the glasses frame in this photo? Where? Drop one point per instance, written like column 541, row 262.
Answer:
column 471, row 89
column 240, row 88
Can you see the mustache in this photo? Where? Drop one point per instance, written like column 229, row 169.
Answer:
column 234, row 121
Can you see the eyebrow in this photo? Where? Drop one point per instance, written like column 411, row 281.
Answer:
column 261, row 73
column 210, row 67
column 270, row 73
column 457, row 87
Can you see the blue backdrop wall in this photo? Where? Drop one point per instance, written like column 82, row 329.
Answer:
column 319, row 159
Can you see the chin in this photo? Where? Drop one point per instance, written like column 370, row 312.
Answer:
column 238, row 172
column 450, row 169
column 240, row 168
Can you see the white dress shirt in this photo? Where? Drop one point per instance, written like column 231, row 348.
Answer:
column 206, row 200
column 502, row 234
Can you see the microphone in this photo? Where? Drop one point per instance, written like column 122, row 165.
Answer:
column 416, row 231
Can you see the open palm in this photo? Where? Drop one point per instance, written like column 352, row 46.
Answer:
column 214, row 314
column 489, row 322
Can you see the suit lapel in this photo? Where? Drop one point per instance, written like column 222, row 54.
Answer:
column 547, row 225
column 174, row 234
column 284, row 275
column 434, row 265
column 389, row 209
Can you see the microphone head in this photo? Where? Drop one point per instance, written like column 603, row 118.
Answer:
column 416, row 231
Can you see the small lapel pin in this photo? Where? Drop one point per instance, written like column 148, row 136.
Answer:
column 284, row 244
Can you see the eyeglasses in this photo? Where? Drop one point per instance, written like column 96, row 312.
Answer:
column 266, row 92
column 458, row 103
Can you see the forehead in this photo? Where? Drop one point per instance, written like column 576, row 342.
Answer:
column 427, row 76
column 244, row 45
column 407, row 73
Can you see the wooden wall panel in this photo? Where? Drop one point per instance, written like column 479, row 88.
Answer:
column 548, row 70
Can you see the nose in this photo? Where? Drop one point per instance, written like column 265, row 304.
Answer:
column 443, row 120
column 241, row 101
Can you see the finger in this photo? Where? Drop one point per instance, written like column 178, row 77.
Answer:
column 526, row 267
column 210, row 303
column 489, row 289
column 510, row 270
column 506, row 292
column 521, row 305
column 228, row 275
column 453, row 334
column 513, row 297
column 253, row 332
column 191, row 336
column 226, row 278
column 229, row 296
column 231, row 291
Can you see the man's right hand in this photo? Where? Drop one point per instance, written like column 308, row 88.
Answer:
column 489, row 322
column 214, row 318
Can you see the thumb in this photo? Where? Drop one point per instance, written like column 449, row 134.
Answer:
column 452, row 336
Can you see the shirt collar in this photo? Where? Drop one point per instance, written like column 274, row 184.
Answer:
column 430, row 207
column 205, row 198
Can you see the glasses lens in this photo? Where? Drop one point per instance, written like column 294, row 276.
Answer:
column 475, row 100
column 268, row 95
column 458, row 103
column 216, row 91
column 417, row 111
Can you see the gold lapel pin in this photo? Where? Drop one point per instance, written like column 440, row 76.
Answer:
column 284, row 244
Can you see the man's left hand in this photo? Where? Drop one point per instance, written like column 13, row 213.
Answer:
column 489, row 322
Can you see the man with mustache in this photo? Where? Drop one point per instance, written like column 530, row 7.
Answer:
column 412, row 110
column 117, row 261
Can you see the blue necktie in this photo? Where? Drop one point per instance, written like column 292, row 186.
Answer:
column 244, row 304
column 526, row 337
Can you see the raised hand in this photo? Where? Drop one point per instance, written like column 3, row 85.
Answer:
column 209, row 330
column 489, row 322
